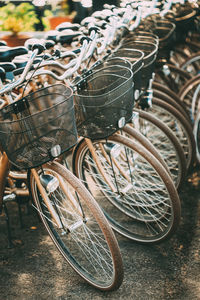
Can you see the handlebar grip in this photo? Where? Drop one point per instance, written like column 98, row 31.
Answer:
column 49, row 44
column 93, row 28
column 33, row 44
column 83, row 38
column 2, row 73
column 40, row 48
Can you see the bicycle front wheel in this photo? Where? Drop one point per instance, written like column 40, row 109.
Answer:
column 84, row 237
column 166, row 144
column 134, row 190
column 179, row 125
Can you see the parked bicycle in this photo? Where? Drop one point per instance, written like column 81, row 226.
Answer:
column 34, row 131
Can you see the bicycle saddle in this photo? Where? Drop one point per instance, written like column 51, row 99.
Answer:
column 68, row 25
column 88, row 20
column 2, row 73
column 8, row 53
column 21, row 61
column 49, row 44
column 51, row 35
column 67, row 36
column 8, row 66
column 2, row 43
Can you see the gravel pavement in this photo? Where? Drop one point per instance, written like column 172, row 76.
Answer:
column 33, row 269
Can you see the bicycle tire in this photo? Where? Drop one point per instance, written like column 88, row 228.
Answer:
column 170, row 93
column 179, row 125
column 174, row 80
column 165, row 97
column 134, row 210
column 189, row 95
column 88, row 244
column 192, row 64
column 166, row 143
column 196, row 131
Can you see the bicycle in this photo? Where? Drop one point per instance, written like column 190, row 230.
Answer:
column 170, row 195
column 73, row 219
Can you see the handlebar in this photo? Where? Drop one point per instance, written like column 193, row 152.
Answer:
column 71, row 68
column 9, row 87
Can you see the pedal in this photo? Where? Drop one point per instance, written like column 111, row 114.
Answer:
column 9, row 198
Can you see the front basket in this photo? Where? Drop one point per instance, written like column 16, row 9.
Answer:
column 35, row 128
column 104, row 101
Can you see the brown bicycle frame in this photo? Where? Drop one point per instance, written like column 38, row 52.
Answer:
column 4, row 170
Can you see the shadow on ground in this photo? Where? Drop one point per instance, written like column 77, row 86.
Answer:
column 33, row 269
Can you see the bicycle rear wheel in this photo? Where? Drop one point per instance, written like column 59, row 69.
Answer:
column 85, row 238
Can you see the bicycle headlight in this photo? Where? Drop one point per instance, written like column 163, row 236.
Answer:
column 49, row 182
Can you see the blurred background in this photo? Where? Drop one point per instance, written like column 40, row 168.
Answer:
column 76, row 9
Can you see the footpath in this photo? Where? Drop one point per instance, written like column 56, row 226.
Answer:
column 34, row 270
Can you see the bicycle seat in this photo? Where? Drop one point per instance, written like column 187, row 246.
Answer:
column 104, row 14
column 2, row 73
column 21, row 66
column 88, row 20
column 51, row 35
column 68, row 25
column 8, row 66
column 8, row 53
column 67, row 36
column 21, row 61
column 3, row 43
column 49, row 44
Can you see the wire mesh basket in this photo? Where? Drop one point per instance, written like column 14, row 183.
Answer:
column 165, row 30
column 111, row 61
column 150, row 51
column 40, row 126
column 141, row 36
column 184, row 19
column 104, row 101
column 135, row 57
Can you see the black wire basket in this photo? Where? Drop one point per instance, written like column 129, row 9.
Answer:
column 184, row 18
column 39, row 127
column 111, row 61
column 165, row 30
column 104, row 101
column 135, row 57
column 139, row 35
column 150, row 51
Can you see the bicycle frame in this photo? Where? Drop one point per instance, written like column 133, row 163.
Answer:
column 4, row 170
column 4, row 175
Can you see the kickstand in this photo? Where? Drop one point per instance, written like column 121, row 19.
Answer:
column 20, row 213
column 10, row 243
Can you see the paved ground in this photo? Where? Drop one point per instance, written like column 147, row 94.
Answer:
column 34, row 270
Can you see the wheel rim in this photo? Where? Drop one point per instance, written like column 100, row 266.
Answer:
column 84, row 247
column 145, row 212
